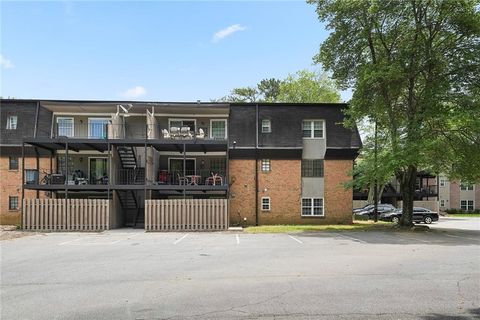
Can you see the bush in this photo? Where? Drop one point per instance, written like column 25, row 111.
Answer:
column 460, row 211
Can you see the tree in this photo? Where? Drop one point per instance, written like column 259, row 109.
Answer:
column 415, row 70
column 269, row 89
column 307, row 86
column 302, row 87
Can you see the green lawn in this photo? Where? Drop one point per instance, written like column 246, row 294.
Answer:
column 357, row 225
column 465, row 215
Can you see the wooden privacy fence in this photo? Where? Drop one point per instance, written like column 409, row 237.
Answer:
column 186, row 214
column 66, row 215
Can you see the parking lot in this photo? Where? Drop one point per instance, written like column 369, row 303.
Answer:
column 130, row 274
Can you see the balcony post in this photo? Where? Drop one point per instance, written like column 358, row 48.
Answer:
column 23, row 172
column 184, row 168
column 66, row 169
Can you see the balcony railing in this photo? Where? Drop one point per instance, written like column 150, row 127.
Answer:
column 99, row 131
column 186, row 133
column 46, row 177
column 192, row 177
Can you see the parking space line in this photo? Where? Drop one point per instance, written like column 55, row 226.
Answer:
column 178, row 240
column 299, row 241
column 413, row 238
column 238, row 238
column 349, row 237
column 67, row 242
column 451, row 235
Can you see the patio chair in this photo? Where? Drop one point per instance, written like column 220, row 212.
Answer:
column 182, row 180
column 200, row 134
column 166, row 134
column 175, row 132
column 214, row 180
column 185, row 132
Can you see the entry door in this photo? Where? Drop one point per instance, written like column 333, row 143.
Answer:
column 176, row 165
column 97, row 170
column 97, row 128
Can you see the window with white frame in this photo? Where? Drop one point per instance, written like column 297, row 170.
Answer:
column 218, row 129
column 12, row 122
column 265, row 203
column 65, row 127
column 313, row 129
column 266, row 167
column 13, row 163
column 98, row 128
column 467, row 205
column 466, row 187
column 442, row 182
column 312, row 168
column 266, row 126
column 442, row 203
column 312, row 207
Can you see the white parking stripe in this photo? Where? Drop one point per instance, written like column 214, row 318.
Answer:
column 349, row 238
column 178, row 240
column 67, row 242
column 299, row 241
column 238, row 238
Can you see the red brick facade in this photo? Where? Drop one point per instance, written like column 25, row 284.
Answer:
column 12, row 186
column 283, row 185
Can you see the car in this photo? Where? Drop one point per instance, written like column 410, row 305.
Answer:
column 419, row 215
column 365, row 207
column 369, row 210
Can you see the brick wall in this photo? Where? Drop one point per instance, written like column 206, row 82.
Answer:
column 338, row 201
column 454, row 195
column 283, row 185
column 11, row 185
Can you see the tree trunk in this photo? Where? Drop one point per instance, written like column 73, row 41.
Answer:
column 407, row 180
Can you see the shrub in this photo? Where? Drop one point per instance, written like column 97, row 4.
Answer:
column 460, row 211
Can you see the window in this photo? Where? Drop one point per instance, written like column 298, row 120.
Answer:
column 218, row 165
column 266, row 165
column 31, row 176
column 466, row 187
column 218, row 129
column 12, row 122
column 266, row 126
column 265, row 203
column 466, row 205
column 191, row 123
column 12, row 203
column 98, row 128
column 442, row 182
column 312, row 207
column 312, row 168
column 65, row 127
column 442, row 203
column 313, row 128
column 13, row 163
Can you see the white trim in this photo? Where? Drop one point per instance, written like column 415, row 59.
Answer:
column 269, row 165
column 176, row 158
column 73, row 125
column 473, row 208
column 312, row 129
column 9, row 123
column 88, row 173
column 102, row 114
column 218, row 120
column 269, row 204
column 442, row 203
column 191, row 115
column 312, row 207
column 199, row 154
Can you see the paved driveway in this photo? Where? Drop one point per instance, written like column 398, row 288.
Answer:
column 457, row 223
column 129, row 274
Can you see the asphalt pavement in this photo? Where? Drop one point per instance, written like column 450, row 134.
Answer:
column 130, row 274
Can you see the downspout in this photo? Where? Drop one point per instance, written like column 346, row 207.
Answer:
column 36, row 149
column 256, row 164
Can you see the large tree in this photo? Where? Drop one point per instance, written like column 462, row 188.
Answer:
column 302, row 87
column 414, row 67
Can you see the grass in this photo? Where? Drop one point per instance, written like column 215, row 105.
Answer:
column 357, row 225
column 465, row 215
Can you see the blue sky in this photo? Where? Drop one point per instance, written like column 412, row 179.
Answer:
column 162, row 51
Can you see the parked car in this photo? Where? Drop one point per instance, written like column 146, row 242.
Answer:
column 419, row 215
column 369, row 210
column 365, row 207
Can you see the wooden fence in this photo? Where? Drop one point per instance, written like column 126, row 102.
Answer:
column 186, row 214
column 66, row 215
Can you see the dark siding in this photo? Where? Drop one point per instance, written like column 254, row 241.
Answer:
column 25, row 111
column 242, row 126
column 44, row 122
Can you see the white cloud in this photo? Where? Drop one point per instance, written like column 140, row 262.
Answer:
column 5, row 63
column 219, row 35
column 134, row 92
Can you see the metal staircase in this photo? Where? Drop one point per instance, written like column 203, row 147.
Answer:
column 127, row 157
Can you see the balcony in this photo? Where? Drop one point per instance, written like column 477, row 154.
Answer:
column 99, row 131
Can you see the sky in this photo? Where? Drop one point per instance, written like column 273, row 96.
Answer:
column 152, row 50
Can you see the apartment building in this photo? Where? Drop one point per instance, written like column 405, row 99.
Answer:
column 88, row 165
column 458, row 195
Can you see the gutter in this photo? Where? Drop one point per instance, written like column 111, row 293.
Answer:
column 256, row 164
column 36, row 120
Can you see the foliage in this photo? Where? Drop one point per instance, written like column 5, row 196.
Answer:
column 463, row 212
column 415, row 69
column 302, row 87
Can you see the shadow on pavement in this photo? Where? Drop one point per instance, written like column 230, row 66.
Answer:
column 472, row 314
